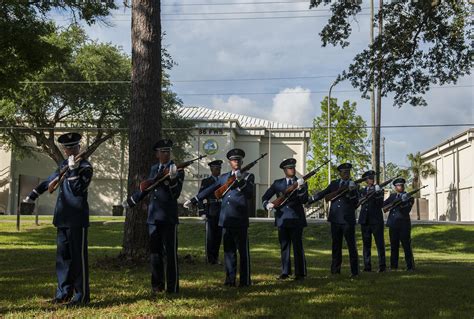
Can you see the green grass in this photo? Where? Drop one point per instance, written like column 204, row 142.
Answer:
column 442, row 286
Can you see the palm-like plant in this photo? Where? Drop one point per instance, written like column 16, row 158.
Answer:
column 418, row 168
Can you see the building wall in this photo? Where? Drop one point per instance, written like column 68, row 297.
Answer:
column 110, row 162
column 450, row 191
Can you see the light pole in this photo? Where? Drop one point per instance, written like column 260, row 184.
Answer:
column 329, row 131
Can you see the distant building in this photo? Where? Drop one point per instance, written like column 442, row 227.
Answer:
column 214, row 133
column 450, row 192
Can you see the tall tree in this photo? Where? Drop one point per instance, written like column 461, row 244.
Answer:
column 37, row 108
column 422, row 43
column 145, row 123
column 348, row 140
column 25, row 30
column 418, row 169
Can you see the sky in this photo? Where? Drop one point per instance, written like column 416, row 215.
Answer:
column 239, row 48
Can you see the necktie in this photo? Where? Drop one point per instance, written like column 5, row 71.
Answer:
column 290, row 181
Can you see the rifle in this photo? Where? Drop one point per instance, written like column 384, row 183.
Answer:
column 290, row 190
column 149, row 184
column 340, row 191
column 368, row 197
column 55, row 183
column 398, row 201
column 223, row 189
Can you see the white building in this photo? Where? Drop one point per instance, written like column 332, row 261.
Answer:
column 215, row 132
column 450, row 191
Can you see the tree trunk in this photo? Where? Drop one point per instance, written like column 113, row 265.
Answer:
column 379, row 96
column 145, row 117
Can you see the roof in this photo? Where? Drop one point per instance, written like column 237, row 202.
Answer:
column 244, row 121
column 450, row 141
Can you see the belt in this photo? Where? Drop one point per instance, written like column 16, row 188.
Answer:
column 214, row 200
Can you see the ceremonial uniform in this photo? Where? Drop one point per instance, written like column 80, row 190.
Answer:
column 343, row 220
column 290, row 218
column 163, row 223
column 372, row 224
column 211, row 207
column 399, row 225
column 71, row 218
column 234, row 220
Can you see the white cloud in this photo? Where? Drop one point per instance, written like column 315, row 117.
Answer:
column 236, row 104
column 293, row 106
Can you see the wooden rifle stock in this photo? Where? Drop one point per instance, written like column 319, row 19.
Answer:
column 341, row 191
column 399, row 201
column 368, row 197
column 55, row 183
column 223, row 189
column 292, row 188
column 151, row 183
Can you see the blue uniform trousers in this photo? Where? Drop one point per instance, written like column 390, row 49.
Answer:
column 288, row 236
column 236, row 239
column 72, row 265
column 213, row 239
column 401, row 232
column 338, row 231
column 164, row 243
column 377, row 231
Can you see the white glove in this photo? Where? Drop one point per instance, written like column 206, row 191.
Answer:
column 187, row 204
column 125, row 204
column 377, row 188
column 300, row 182
column 352, row 185
column 72, row 163
column 173, row 171
column 203, row 217
column 28, row 200
column 269, row 206
column 238, row 175
column 405, row 197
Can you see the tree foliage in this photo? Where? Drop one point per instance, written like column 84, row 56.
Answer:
column 43, row 106
column 423, row 43
column 348, row 141
column 24, row 40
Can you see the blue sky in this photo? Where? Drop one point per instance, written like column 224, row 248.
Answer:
column 287, row 47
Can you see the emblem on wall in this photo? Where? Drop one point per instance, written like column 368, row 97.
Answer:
column 210, row 147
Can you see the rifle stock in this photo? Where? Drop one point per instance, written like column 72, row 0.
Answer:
column 341, row 191
column 398, row 202
column 292, row 188
column 368, row 197
column 55, row 183
column 151, row 183
column 223, row 189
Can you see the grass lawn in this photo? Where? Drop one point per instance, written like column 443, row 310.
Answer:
column 442, row 286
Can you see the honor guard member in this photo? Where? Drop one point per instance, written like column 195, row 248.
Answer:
column 399, row 225
column 342, row 219
column 210, row 207
column 163, row 220
column 234, row 218
column 71, row 218
column 371, row 222
column 290, row 218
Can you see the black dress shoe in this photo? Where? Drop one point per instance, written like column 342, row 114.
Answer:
column 353, row 276
column 367, row 270
column 283, row 277
column 381, row 270
column 410, row 269
column 298, row 278
column 56, row 301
